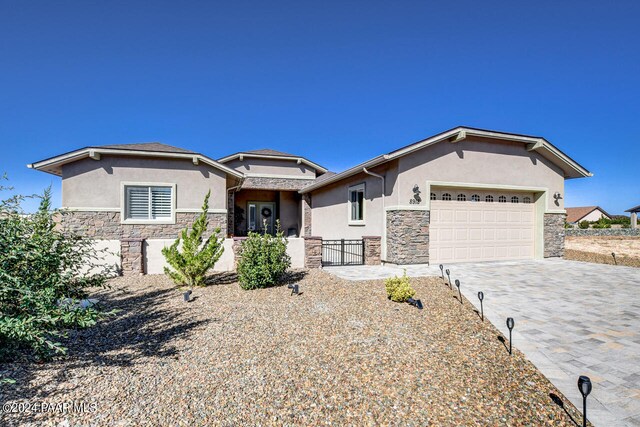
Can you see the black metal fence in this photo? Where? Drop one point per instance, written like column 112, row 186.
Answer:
column 342, row 252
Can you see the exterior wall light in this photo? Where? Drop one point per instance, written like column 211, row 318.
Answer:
column 584, row 385
column 416, row 303
column 557, row 195
column 295, row 289
column 187, row 296
column 481, row 297
column 459, row 293
column 510, row 325
column 447, row 271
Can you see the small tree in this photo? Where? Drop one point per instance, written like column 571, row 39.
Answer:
column 191, row 262
column 263, row 259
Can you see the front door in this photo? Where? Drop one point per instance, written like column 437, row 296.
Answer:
column 262, row 216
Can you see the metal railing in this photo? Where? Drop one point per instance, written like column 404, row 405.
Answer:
column 342, row 252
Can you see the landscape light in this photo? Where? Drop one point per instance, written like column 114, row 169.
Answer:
column 295, row 289
column 415, row 302
column 187, row 296
column 584, row 385
column 510, row 325
column 441, row 271
column 459, row 293
column 481, row 297
column 447, row 271
column 613, row 254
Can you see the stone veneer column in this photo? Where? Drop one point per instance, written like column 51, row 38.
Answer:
column 306, row 213
column 372, row 248
column 312, row 252
column 554, row 234
column 408, row 236
column 231, row 205
column 237, row 243
column 132, row 256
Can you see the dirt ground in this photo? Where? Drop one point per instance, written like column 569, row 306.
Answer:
column 599, row 249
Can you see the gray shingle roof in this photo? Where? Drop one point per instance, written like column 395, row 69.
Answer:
column 269, row 152
column 148, row 146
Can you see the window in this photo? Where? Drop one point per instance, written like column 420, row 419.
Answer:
column 462, row 197
column 489, row 198
column 502, row 199
column 433, row 196
column 252, row 217
column 475, row 198
column 356, row 204
column 148, row 203
column 515, row 199
column 526, row 200
column 446, row 196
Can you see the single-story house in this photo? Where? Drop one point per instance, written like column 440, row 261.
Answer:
column 586, row 213
column 462, row 195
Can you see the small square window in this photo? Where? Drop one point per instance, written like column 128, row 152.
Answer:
column 446, row 196
column 148, row 203
column 462, row 197
column 356, row 204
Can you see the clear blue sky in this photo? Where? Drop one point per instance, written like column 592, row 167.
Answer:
column 356, row 78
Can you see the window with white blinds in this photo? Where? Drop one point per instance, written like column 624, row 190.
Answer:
column 148, row 202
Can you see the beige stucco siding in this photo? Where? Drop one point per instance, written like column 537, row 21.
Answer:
column 91, row 183
column 273, row 167
column 594, row 216
column 481, row 162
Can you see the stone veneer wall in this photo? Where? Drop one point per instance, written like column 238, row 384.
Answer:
column 372, row 250
column 106, row 225
column 587, row 232
column 265, row 183
column 408, row 236
column 312, row 252
column 132, row 256
column 554, row 232
column 306, row 212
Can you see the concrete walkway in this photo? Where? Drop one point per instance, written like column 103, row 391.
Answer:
column 571, row 319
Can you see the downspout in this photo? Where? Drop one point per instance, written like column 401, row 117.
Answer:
column 383, row 249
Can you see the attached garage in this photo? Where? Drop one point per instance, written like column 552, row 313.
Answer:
column 469, row 226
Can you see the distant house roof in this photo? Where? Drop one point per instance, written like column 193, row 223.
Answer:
column 570, row 168
column 576, row 214
column 53, row 165
column 266, row 153
column 635, row 209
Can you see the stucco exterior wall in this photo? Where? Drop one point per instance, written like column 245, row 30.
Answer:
column 91, row 183
column 478, row 161
column 272, row 167
column 594, row 216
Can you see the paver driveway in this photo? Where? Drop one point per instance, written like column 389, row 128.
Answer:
column 572, row 319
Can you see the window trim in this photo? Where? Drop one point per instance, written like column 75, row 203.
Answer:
column 123, row 203
column 358, row 187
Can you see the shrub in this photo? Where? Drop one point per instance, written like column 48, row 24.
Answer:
column 39, row 268
column 399, row 288
column 602, row 223
column 263, row 259
column 191, row 262
column 583, row 224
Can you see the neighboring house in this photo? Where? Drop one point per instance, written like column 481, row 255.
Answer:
column 586, row 213
column 462, row 195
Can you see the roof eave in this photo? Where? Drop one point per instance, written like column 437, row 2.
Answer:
column 349, row 172
column 270, row 156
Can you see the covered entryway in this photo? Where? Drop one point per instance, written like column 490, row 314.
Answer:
column 470, row 226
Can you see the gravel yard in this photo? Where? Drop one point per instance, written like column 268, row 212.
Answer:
column 340, row 354
column 598, row 249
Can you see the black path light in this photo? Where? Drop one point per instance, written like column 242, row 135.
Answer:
column 295, row 289
column 613, row 254
column 442, row 271
column 481, row 297
column 415, row 302
column 510, row 325
column 187, row 295
column 447, row 271
column 459, row 293
column 584, row 385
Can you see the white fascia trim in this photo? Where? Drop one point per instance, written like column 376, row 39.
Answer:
column 298, row 160
column 198, row 210
column 267, row 175
column 553, row 150
column 86, row 152
column 123, row 205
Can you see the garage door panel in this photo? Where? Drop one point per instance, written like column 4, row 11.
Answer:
column 481, row 231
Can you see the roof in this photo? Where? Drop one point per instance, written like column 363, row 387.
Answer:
column 576, row 214
column 634, row 209
column 570, row 167
column 53, row 165
column 266, row 153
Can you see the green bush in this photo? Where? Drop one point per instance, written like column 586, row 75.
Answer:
column 263, row 259
column 43, row 275
column 602, row 223
column 191, row 262
column 399, row 288
column 621, row 220
column 583, row 224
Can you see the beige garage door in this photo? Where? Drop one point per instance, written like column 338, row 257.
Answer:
column 469, row 226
